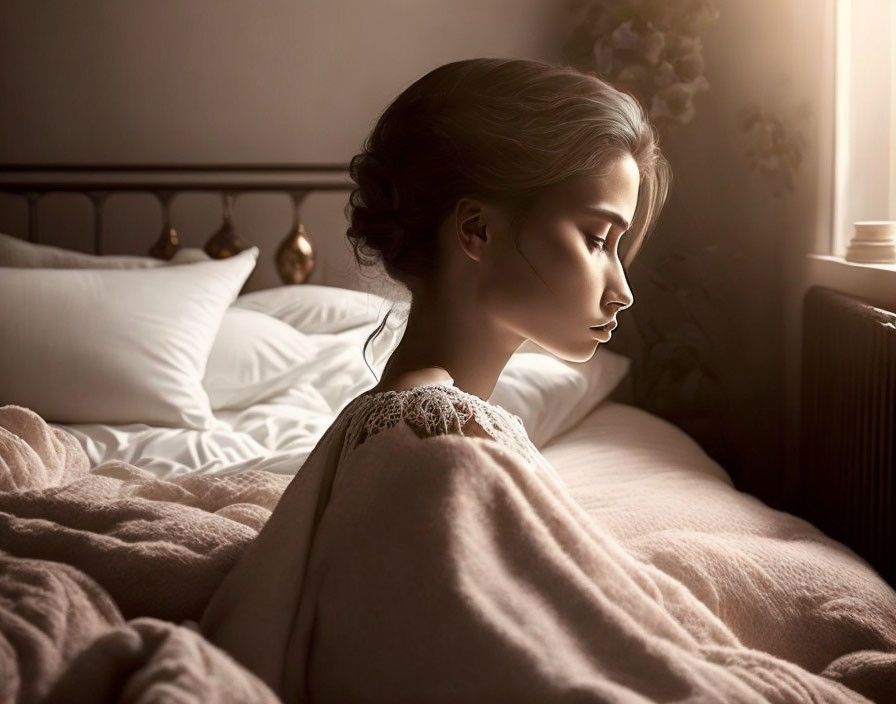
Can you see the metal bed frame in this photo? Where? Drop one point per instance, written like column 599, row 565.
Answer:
column 294, row 256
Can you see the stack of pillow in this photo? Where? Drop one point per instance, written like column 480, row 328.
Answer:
column 112, row 339
column 121, row 340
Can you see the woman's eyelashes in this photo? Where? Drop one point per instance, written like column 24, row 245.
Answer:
column 595, row 242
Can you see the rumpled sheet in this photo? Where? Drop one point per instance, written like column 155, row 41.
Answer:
column 104, row 574
column 445, row 569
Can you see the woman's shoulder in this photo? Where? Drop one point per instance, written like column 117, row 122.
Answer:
column 432, row 410
column 437, row 408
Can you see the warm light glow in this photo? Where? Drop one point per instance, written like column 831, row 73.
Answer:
column 865, row 137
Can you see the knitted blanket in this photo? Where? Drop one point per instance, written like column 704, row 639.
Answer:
column 420, row 556
column 101, row 573
column 432, row 557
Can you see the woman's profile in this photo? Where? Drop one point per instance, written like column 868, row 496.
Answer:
column 426, row 551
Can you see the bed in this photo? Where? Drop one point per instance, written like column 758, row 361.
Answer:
column 131, row 482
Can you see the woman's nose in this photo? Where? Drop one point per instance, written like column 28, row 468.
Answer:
column 619, row 292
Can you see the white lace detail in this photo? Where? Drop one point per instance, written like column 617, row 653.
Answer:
column 436, row 409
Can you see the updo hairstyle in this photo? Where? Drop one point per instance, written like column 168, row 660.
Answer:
column 501, row 130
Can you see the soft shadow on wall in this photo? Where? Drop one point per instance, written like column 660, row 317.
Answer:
column 708, row 329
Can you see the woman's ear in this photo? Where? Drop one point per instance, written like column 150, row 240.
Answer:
column 472, row 233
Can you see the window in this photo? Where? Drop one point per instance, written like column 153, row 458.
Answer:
column 865, row 116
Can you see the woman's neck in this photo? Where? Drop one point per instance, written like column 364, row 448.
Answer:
column 449, row 341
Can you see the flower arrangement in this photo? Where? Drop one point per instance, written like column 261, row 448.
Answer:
column 649, row 48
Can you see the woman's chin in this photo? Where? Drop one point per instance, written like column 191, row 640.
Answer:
column 592, row 348
column 581, row 352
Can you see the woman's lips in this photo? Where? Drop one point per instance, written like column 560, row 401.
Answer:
column 604, row 332
column 609, row 327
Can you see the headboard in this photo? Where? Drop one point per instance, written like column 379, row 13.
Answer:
column 294, row 256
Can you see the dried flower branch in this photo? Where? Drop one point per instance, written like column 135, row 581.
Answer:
column 773, row 148
column 649, row 48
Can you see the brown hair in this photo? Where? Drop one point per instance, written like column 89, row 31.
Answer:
column 498, row 129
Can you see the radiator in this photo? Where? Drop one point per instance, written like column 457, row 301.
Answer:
column 848, row 423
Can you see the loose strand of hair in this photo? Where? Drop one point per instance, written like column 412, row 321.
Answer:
column 372, row 336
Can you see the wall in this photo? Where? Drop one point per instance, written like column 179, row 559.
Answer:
column 228, row 81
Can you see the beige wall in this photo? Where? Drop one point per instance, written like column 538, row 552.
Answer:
column 229, row 81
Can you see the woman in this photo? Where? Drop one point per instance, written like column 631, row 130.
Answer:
column 426, row 550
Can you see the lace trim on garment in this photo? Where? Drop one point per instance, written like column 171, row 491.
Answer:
column 437, row 409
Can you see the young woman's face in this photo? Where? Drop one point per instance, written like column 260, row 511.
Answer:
column 566, row 275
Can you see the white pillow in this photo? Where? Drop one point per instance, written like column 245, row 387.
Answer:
column 115, row 346
column 253, row 358
column 252, row 354
column 20, row 253
column 189, row 255
column 552, row 395
column 317, row 309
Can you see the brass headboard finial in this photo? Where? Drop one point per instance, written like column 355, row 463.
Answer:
column 225, row 242
column 295, row 255
column 168, row 243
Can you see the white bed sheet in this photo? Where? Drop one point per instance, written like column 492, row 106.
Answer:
column 614, row 443
column 276, row 435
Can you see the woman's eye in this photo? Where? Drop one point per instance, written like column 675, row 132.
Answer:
column 597, row 243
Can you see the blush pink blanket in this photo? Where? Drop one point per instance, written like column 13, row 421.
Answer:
column 440, row 569
column 102, row 572
column 419, row 556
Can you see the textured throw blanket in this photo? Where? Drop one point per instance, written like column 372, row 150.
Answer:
column 777, row 582
column 427, row 561
column 436, row 564
column 99, row 571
